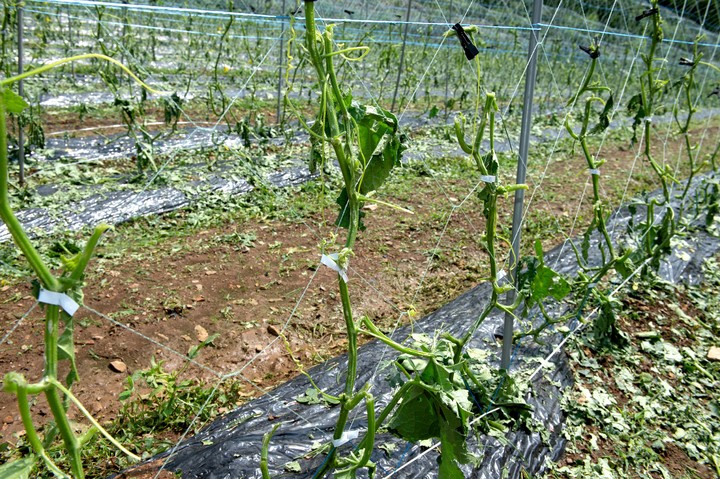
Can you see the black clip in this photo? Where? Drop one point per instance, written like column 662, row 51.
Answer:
column 349, row 12
column 593, row 51
column 470, row 50
column 716, row 91
column 647, row 13
column 686, row 62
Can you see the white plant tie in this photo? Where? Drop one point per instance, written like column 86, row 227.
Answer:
column 331, row 261
column 346, row 437
column 59, row 299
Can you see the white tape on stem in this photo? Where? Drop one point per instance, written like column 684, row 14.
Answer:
column 59, row 299
column 488, row 178
column 594, row 171
column 331, row 261
column 346, row 437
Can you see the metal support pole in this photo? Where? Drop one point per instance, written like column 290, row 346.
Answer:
column 280, row 65
column 447, row 71
column 402, row 55
column 70, row 39
column 21, row 92
column 521, row 170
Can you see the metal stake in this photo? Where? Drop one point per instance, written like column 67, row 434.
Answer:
column 447, row 71
column 521, row 170
column 280, row 65
column 402, row 55
column 21, row 91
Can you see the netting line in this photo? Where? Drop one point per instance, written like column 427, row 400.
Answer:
column 284, row 18
column 372, row 39
column 149, row 27
column 153, row 341
column 18, row 323
column 623, row 35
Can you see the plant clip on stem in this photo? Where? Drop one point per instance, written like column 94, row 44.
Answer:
column 592, row 50
column 647, row 13
column 468, row 46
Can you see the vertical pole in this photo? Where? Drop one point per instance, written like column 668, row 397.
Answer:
column 447, row 71
column 521, row 170
column 402, row 55
column 70, row 39
column 21, row 92
column 280, row 64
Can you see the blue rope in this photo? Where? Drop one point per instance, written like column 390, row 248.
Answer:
column 625, row 35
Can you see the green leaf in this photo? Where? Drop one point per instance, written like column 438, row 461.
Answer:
column 549, row 283
column 66, row 349
column 604, row 119
column 14, row 103
column 293, row 466
column 453, row 445
column 415, row 419
column 19, row 469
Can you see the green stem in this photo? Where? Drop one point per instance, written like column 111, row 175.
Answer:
column 8, row 217
column 30, row 432
column 377, row 334
column 265, row 450
column 92, row 420
column 52, row 328
column 344, row 154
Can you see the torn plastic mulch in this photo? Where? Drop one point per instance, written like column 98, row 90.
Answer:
column 230, row 447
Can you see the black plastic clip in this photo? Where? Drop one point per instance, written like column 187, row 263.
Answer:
column 469, row 48
column 593, row 50
column 647, row 13
column 686, row 62
column 716, row 91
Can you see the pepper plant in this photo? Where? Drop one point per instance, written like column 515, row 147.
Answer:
column 59, row 346
column 653, row 239
column 589, row 276
column 436, row 376
column 367, row 146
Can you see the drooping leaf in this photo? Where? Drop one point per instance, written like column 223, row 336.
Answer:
column 604, row 118
column 415, row 418
column 19, row 469
column 66, row 349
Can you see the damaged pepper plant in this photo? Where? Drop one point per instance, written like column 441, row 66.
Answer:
column 59, row 295
column 436, row 377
